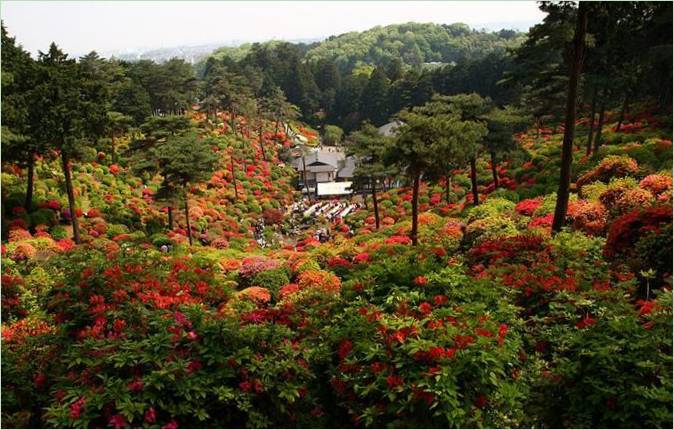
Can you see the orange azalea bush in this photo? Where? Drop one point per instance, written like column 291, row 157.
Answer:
column 319, row 279
column 589, row 217
column 256, row 294
column 656, row 184
column 633, row 199
column 613, row 166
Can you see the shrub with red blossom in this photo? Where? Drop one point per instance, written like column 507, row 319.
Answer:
column 528, row 207
column 626, row 231
column 272, row 216
column 541, row 222
column 398, row 240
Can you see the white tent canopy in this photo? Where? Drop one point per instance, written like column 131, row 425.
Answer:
column 333, row 188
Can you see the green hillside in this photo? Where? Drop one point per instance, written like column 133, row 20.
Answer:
column 413, row 44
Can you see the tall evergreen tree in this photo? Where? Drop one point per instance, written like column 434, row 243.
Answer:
column 19, row 144
column 502, row 124
column 430, row 134
column 64, row 118
column 186, row 159
column 570, row 122
column 374, row 99
column 369, row 147
column 472, row 108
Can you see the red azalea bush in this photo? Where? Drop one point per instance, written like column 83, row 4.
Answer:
column 528, row 207
column 625, row 231
column 406, row 363
column 272, row 216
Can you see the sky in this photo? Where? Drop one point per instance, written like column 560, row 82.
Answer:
column 81, row 26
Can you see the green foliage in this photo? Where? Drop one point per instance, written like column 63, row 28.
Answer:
column 332, row 135
column 412, row 43
column 493, row 206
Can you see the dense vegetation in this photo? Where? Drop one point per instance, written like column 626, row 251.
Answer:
column 370, row 75
column 520, row 277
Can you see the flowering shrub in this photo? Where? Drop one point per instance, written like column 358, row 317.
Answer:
column 588, row 216
column 656, row 184
column 633, row 199
column 544, row 222
column 413, row 354
column 490, row 228
column 625, row 232
column 613, row 166
column 251, row 266
column 319, row 279
column 610, row 396
column 528, row 207
column 615, row 190
column 570, row 330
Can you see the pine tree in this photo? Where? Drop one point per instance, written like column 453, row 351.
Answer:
column 68, row 114
column 117, row 125
column 502, row 124
column 19, row 144
column 369, row 147
column 570, row 122
column 430, row 135
column 186, row 159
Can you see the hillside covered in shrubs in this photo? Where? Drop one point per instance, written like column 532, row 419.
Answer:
column 136, row 292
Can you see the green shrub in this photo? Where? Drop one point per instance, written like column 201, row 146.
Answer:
column 43, row 216
column 273, row 280
column 502, row 193
column 493, row 206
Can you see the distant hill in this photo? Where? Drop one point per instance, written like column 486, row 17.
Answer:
column 238, row 52
column 413, row 43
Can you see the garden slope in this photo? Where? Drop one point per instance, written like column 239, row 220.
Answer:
column 491, row 322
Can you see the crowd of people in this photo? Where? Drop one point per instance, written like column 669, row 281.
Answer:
column 301, row 216
column 331, row 209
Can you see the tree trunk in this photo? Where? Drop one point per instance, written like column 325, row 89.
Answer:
column 375, row 204
column 259, row 137
column 187, row 220
column 415, row 209
column 593, row 110
column 570, row 120
column 626, row 104
column 28, row 204
column 170, row 218
column 473, row 181
column 112, row 148
column 493, row 168
column 304, row 173
column 600, row 126
column 236, row 192
column 232, row 122
column 71, row 197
